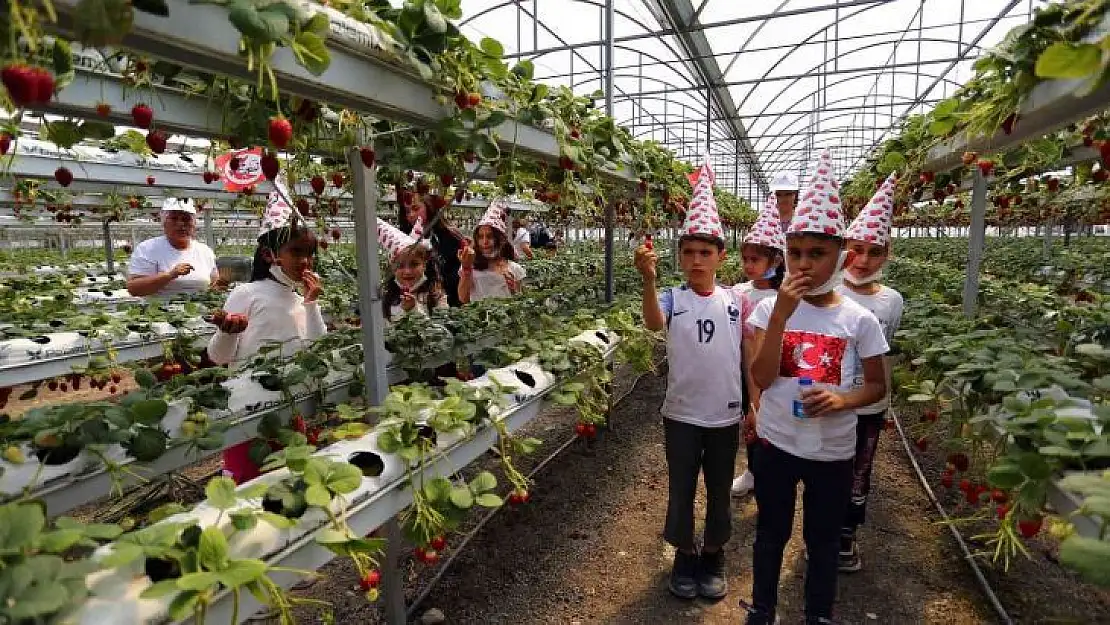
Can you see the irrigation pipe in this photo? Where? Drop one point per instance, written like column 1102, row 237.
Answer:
column 970, row 559
column 489, row 515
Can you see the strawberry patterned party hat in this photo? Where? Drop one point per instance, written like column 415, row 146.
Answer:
column 278, row 212
column 496, row 215
column 701, row 216
column 819, row 209
column 395, row 242
column 873, row 222
column 767, row 230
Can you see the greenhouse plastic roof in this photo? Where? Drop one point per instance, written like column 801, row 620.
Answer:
column 769, row 81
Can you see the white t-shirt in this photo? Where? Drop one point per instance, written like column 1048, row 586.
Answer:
column 704, row 354
column 275, row 312
column 753, row 294
column 825, row 345
column 489, row 284
column 158, row 255
column 886, row 305
column 520, row 239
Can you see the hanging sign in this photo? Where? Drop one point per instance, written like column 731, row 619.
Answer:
column 248, row 170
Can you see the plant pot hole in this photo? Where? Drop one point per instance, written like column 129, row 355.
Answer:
column 368, row 462
column 525, row 377
column 427, row 433
column 601, row 335
column 275, row 505
column 158, row 569
column 270, row 382
column 41, row 340
column 54, row 456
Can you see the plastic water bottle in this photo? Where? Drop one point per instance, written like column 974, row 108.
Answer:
column 804, row 384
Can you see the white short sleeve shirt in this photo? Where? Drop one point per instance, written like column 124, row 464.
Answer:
column 826, row 345
column 158, row 255
column 490, row 284
column 886, row 305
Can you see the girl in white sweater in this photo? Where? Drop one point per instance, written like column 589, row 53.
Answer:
column 268, row 308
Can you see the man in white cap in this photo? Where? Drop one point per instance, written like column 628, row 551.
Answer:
column 785, row 187
column 175, row 262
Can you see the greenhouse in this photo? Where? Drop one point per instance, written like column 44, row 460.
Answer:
column 377, row 312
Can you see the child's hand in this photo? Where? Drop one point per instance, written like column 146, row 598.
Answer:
column 312, row 286
column 408, row 300
column 749, row 428
column 510, row 280
column 794, row 287
column 466, row 257
column 645, row 262
column 228, row 323
column 821, row 401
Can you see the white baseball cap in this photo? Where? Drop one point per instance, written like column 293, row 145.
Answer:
column 175, row 204
column 785, row 181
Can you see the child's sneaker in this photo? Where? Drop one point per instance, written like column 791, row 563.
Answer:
column 684, row 583
column 743, row 485
column 757, row 616
column 711, row 575
column 850, row 561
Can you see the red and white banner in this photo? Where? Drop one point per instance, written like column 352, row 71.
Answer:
column 248, row 171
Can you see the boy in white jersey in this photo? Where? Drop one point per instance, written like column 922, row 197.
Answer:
column 809, row 337
column 869, row 241
column 704, row 403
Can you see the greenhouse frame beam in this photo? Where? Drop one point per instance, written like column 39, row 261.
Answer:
column 699, row 27
column 681, row 15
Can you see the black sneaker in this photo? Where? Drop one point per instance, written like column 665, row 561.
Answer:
column 711, row 575
column 684, row 583
column 849, row 561
column 757, row 616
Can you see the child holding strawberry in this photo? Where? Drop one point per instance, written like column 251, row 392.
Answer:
column 704, row 403
column 812, row 344
column 414, row 287
column 490, row 271
column 764, row 267
column 268, row 308
column 869, row 241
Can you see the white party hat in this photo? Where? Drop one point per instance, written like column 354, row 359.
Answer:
column 873, row 222
column 767, row 230
column 396, row 242
column 496, row 215
column 701, row 216
column 819, row 210
column 278, row 212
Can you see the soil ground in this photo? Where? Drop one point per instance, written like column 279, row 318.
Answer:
column 588, row 549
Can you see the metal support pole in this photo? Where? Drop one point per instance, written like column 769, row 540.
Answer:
column 209, row 229
column 365, row 201
column 977, row 236
column 610, row 209
column 109, row 253
column 63, row 241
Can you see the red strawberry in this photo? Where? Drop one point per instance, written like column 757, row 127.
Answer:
column 946, row 480
column 20, row 81
column 985, row 166
column 5, row 143
column 447, row 179
column 575, row 134
column 337, row 179
column 474, row 99
column 1002, row 510
column 462, row 100
column 966, row 486
column 207, row 177
column 1053, row 184
column 438, row 543
column 999, row 496
column 566, row 163
column 156, row 140
column 1104, row 151
column 367, row 156
column 318, row 184
column 52, row 385
column 972, row 496
column 112, row 389
column 63, row 176
column 921, row 443
column 280, row 131
column 591, row 430
column 1030, row 527
column 103, row 109
column 959, row 460
column 302, row 206
column 580, row 429
column 298, row 424
column 142, row 115
column 336, row 234
column 648, row 243
column 930, row 416
column 270, row 165
column 150, row 180
column 323, row 243
column 370, row 580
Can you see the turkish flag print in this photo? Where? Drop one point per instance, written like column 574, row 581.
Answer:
column 812, row 355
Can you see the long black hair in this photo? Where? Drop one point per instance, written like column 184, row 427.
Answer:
column 391, row 291
column 272, row 241
column 501, row 243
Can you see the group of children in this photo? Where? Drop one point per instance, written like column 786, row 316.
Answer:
column 274, row 310
column 794, row 363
